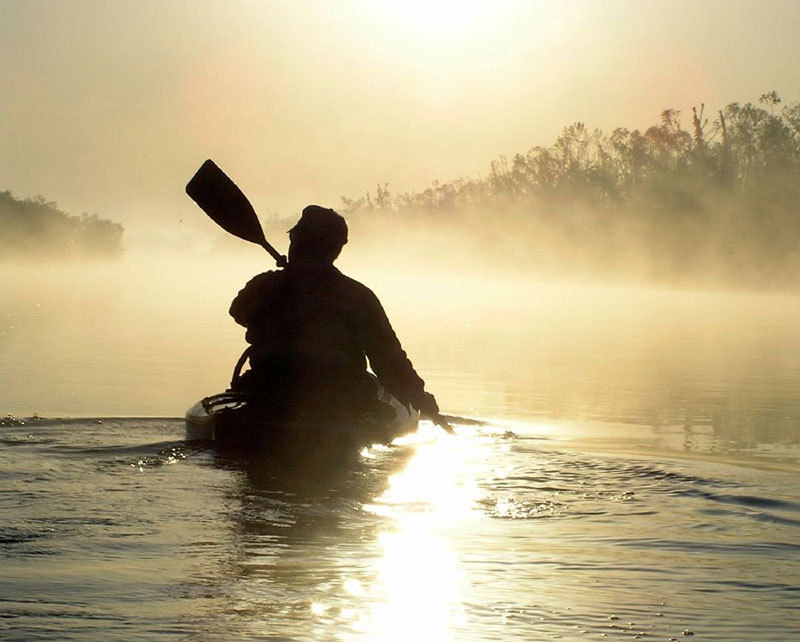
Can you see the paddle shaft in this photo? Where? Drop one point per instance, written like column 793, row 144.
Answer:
column 465, row 421
column 280, row 260
column 440, row 421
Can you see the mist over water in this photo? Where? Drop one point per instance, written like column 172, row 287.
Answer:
column 149, row 336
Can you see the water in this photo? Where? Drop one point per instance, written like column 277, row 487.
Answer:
column 638, row 477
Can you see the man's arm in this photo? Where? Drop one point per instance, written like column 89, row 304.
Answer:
column 390, row 362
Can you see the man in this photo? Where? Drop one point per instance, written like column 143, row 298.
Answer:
column 312, row 329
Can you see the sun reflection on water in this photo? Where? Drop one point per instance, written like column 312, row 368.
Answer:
column 418, row 579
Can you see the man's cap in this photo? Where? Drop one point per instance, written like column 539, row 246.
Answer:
column 322, row 223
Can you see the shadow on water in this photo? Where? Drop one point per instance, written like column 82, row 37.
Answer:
column 308, row 471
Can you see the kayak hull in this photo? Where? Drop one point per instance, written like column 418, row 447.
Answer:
column 227, row 419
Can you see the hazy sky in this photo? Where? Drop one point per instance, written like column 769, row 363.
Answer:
column 110, row 106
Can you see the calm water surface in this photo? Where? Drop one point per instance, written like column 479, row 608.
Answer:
column 638, row 478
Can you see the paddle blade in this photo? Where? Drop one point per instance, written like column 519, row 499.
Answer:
column 220, row 198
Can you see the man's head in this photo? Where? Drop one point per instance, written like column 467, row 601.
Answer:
column 318, row 236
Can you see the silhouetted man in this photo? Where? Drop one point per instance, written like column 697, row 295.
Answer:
column 312, row 329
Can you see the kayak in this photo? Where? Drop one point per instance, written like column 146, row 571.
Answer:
column 228, row 419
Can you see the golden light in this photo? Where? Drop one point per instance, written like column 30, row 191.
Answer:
column 416, row 594
column 445, row 19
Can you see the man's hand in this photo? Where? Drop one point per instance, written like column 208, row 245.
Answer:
column 428, row 406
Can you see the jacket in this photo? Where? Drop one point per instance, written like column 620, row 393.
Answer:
column 312, row 331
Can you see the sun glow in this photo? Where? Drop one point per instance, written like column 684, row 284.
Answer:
column 445, row 19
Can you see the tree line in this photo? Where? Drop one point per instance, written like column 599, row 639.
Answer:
column 719, row 198
column 36, row 228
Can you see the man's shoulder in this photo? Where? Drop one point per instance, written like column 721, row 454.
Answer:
column 271, row 276
column 355, row 288
column 262, row 283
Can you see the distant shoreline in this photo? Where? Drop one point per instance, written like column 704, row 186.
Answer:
column 35, row 228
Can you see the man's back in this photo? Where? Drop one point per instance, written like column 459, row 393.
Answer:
column 312, row 329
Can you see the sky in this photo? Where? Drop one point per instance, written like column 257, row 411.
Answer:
column 109, row 106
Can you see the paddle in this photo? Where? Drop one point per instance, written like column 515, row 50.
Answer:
column 220, row 198
column 465, row 421
column 440, row 421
